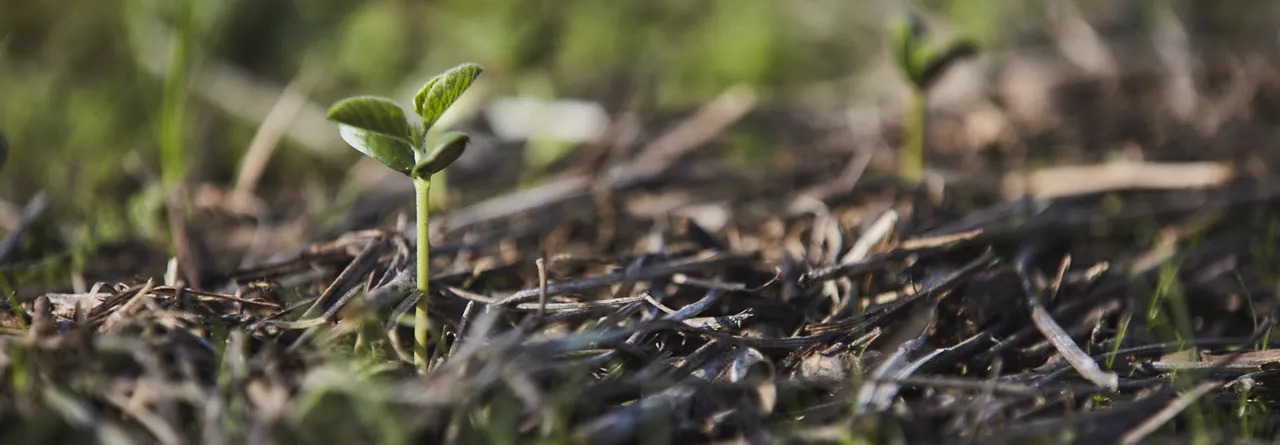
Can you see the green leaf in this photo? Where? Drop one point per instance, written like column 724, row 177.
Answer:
column 420, row 99
column 450, row 148
column 392, row 152
column 939, row 58
column 906, row 35
column 376, row 127
column 919, row 59
column 442, row 91
column 376, row 114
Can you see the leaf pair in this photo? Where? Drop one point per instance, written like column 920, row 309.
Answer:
column 921, row 60
column 379, row 128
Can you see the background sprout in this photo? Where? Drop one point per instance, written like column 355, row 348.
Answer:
column 922, row 62
column 380, row 129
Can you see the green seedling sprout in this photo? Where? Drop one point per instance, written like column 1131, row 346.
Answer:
column 922, row 62
column 379, row 128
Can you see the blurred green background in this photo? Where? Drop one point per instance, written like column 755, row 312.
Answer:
column 98, row 105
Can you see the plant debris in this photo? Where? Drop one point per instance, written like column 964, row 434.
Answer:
column 1135, row 310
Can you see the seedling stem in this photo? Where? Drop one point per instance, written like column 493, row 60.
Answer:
column 421, row 322
column 912, row 169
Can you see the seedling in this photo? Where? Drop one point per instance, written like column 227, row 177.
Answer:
column 378, row 127
column 922, row 62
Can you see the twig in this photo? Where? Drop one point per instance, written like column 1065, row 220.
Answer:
column 353, row 274
column 962, row 383
column 1059, row 182
column 669, row 268
column 905, row 249
column 621, row 424
column 942, row 285
column 541, row 262
column 696, row 307
column 720, row 323
column 274, row 126
column 876, row 397
column 878, row 231
column 1163, row 416
column 1086, row 366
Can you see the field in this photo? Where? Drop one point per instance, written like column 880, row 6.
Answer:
column 675, row 222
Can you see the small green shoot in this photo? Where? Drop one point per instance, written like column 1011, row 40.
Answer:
column 379, row 128
column 1265, row 341
column 922, row 62
column 15, row 307
column 173, row 150
column 1120, row 335
column 1251, row 410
